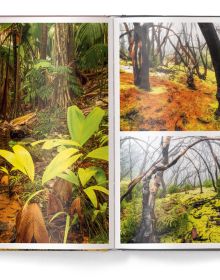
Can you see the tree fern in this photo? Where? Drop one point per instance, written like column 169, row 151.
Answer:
column 94, row 57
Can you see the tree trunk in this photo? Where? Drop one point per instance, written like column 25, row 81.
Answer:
column 165, row 143
column 135, row 53
column 151, row 184
column 43, row 55
column 16, row 37
column 43, row 41
column 213, row 42
column 198, row 173
column 4, row 102
column 145, row 51
column 208, row 169
column 129, row 197
column 62, row 94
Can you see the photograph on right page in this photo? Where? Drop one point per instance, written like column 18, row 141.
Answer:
column 169, row 76
column 169, row 189
column 169, row 141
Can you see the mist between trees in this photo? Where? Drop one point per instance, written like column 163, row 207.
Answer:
column 155, row 168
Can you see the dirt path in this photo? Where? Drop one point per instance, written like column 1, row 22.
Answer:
column 9, row 208
column 169, row 106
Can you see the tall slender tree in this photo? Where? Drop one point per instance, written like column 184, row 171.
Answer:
column 62, row 95
column 43, row 40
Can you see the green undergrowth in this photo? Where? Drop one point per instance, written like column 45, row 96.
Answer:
column 179, row 214
column 184, row 217
column 130, row 213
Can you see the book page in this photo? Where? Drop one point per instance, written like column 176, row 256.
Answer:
column 167, row 80
column 54, row 133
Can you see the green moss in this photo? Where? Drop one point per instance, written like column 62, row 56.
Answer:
column 174, row 224
column 130, row 219
column 176, row 215
column 130, row 212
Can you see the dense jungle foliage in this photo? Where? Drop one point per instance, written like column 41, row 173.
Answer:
column 54, row 133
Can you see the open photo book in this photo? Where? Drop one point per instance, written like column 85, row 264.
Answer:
column 109, row 133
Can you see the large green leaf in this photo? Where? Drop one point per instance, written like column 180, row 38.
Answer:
column 24, row 156
column 81, row 128
column 60, row 163
column 92, row 196
column 43, row 64
column 20, row 160
column 3, row 169
column 90, row 192
column 52, row 143
column 99, row 153
column 32, row 196
column 85, row 175
column 70, row 176
column 57, row 215
column 99, row 176
column 4, row 27
column 67, row 228
column 94, row 57
column 89, row 34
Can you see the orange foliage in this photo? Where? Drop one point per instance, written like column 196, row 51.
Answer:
column 10, row 206
column 169, row 106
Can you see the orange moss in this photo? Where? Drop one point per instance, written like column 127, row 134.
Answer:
column 169, row 106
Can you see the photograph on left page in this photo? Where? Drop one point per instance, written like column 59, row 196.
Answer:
column 54, row 133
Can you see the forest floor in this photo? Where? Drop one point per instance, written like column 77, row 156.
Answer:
column 170, row 105
column 189, row 217
column 49, row 124
column 9, row 208
column 184, row 217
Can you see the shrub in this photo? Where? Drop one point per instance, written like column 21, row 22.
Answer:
column 130, row 219
column 207, row 183
column 173, row 189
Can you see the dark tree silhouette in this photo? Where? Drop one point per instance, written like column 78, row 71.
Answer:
column 213, row 42
column 140, row 55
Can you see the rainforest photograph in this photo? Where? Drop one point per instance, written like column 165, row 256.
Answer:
column 169, row 76
column 54, row 133
column 170, row 188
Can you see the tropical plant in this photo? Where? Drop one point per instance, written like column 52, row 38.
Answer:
column 81, row 129
column 40, row 81
column 21, row 160
column 89, row 184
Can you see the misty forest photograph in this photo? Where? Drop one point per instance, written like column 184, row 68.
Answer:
column 170, row 188
column 169, row 76
column 54, row 133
